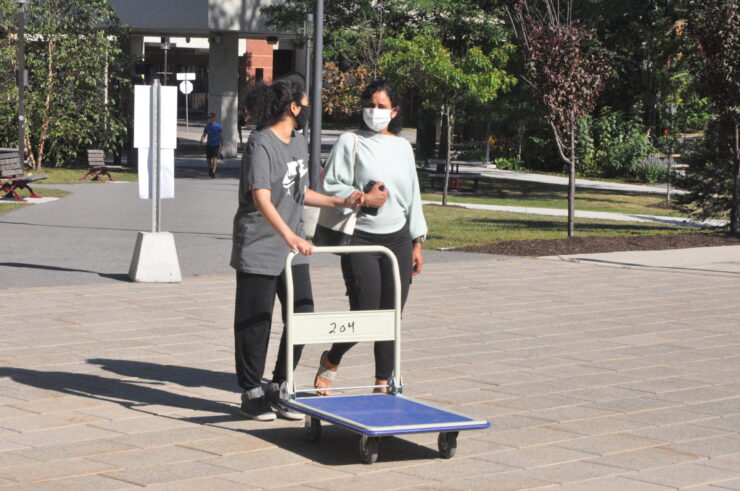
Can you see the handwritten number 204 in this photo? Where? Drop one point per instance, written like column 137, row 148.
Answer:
column 342, row 328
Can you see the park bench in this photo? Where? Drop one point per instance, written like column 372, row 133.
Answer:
column 97, row 169
column 456, row 180
column 13, row 178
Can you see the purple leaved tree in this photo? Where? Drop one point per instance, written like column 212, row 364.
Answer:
column 566, row 66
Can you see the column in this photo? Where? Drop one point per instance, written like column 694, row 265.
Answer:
column 136, row 50
column 223, row 86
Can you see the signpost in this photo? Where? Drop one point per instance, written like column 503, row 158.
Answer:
column 186, row 87
column 155, row 136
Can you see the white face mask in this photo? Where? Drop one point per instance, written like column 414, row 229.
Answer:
column 376, row 119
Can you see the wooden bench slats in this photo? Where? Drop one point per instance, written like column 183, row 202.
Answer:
column 11, row 170
column 458, row 176
column 35, row 177
column 97, row 168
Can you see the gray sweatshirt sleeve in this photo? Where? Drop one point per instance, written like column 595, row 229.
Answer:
column 339, row 171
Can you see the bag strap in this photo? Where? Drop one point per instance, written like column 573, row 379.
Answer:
column 354, row 155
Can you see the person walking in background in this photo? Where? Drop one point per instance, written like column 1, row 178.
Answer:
column 214, row 145
column 392, row 217
column 273, row 187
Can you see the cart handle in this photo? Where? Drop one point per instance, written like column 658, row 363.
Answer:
column 289, row 305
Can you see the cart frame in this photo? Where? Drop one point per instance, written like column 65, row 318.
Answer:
column 313, row 322
column 368, row 415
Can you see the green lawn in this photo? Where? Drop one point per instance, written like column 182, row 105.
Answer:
column 7, row 206
column 61, row 175
column 456, row 227
column 538, row 195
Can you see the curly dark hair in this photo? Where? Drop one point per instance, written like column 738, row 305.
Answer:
column 381, row 85
column 267, row 104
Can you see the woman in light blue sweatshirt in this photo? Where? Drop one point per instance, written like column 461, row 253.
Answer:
column 383, row 165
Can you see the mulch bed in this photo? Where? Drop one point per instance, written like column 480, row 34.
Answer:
column 592, row 245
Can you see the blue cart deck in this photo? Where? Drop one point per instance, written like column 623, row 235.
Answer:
column 383, row 414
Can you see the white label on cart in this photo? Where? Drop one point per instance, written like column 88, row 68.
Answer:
column 330, row 327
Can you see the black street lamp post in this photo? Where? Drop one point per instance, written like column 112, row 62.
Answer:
column 308, row 41
column 165, row 45
column 314, row 169
column 21, row 79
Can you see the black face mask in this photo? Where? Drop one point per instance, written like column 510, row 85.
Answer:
column 301, row 119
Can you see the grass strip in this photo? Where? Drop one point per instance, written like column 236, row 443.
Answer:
column 493, row 191
column 451, row 226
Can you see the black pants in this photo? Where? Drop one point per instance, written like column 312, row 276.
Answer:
column 255, row 300
column 369, row 280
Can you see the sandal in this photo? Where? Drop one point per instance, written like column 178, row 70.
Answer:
column 380, row 390
column 325, row 375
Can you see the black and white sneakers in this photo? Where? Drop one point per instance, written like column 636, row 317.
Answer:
column 265, row 405
column 273, row 396
column 256, row 407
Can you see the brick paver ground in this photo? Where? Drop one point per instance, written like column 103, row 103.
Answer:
column 592, row 377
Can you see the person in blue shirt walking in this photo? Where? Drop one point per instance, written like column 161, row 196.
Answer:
column 214, row 145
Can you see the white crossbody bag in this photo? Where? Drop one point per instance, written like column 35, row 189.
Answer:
column 335, row 228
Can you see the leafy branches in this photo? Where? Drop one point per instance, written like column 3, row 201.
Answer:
column 714, row 28
column 77, row 72
column 445, row 81
column 567, row 68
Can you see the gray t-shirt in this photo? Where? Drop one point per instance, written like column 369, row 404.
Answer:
column 269, row 163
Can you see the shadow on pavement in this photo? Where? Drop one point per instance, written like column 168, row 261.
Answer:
column 337, row 447
column 116, row 276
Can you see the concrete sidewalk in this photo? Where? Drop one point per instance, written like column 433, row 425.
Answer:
column 712, row 260
column 597, row 215
column 592, row 378
column 563, row 181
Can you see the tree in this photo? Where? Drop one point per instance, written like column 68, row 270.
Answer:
column 354, row 30
column 567, row 68
column 714, row 28
column 341, row 89
column 709, row 177
column 444, row 81
column 77, row 73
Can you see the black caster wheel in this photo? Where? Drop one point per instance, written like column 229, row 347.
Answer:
column 447, row 443
column 368, row 449
column 313, row 429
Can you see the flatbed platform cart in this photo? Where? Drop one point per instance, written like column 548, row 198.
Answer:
column 371, row 416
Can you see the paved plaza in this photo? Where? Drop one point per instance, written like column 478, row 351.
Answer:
column 593, row 377
column 601, row 372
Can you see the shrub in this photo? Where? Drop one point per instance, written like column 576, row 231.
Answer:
column 508, row 163
column 612, row 146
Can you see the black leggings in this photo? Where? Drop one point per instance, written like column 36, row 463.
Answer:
column 369, row 280
column 255, row 300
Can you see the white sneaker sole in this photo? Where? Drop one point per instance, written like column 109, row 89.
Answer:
column 259, row 417
column 288, row 413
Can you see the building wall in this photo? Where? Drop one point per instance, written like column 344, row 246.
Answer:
column 192, row 17
column 259, row 55
column 160, row 16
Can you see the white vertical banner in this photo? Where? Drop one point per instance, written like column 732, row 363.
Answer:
column 168, row 139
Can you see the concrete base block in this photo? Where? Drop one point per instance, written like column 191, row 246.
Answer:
column 155, row 259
